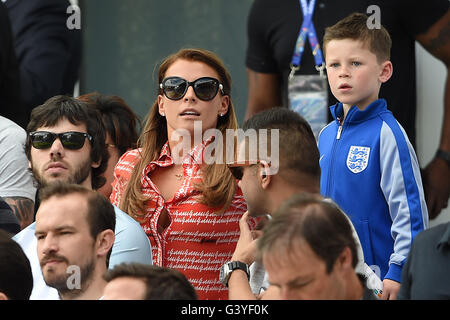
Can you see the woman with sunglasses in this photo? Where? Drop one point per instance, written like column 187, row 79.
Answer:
column 189, row 209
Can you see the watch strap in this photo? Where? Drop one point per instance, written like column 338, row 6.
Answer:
column 229, row 267
column 234, row 265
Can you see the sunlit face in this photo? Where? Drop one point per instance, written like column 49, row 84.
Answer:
column 181, row 114
column 301, row 275
column 354, row 74
column 60, row 164
column 125, row 288
column 252, row 191
column 114, row 155
column 64, row 240
column 254, row 194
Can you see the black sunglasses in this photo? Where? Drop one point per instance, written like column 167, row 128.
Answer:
column 237, row 169
column 70, row 140
column 205, row 88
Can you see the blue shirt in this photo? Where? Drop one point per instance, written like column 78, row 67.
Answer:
column 131, row 245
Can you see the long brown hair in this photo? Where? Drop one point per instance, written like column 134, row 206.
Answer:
column 218, row 186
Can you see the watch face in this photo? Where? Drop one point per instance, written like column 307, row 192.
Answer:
column 228, row 268
column 223, row 274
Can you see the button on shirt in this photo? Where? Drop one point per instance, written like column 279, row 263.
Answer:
column 198, row 240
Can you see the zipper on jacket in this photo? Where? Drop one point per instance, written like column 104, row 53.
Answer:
column 333, row 151
column 338, row 136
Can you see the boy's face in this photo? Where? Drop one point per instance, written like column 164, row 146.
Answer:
column 354, row 74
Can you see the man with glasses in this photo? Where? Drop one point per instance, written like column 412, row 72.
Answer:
column 66, row 142
column 298, row 172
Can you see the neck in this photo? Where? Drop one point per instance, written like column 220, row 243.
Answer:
column 285, row 191
column 91, row 289
column 188, row 138
column 179, row 148
column 87, row 183
column 361, row 107
column 355, row 289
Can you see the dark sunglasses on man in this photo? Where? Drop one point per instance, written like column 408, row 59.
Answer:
column 70, row 140
column 205, row 88
column 237, row 168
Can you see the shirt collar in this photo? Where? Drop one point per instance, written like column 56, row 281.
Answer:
column 195, row 156
column 355, row 115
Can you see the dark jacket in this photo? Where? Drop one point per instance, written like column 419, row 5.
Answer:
column 48, row 52
column 10, row 104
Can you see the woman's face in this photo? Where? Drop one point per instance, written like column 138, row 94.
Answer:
column 181, row 114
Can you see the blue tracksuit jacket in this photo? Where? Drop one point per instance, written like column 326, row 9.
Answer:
column 370, row 170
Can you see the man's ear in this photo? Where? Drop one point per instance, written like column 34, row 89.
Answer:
column 3, row 296
column 386, row 71
column 344, row 260
column 264, row 176
column 105, row 241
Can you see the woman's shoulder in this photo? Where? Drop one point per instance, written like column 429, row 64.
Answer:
column 128, row 160
column 130, row 155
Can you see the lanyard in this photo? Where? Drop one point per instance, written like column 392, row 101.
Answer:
column 307, row 29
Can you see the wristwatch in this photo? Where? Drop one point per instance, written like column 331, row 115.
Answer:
column 229, row 267
column 445, row 155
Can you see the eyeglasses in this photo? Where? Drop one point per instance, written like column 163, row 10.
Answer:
column 237, row 168
column 70, row 140
column 205, row 88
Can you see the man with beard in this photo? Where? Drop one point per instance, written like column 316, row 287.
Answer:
column 66, row 143
column 265, row 189
column 75, row 235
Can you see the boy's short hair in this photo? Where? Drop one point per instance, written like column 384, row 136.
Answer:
column 355, row 27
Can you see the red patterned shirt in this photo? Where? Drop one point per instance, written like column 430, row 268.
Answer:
column 198, row 240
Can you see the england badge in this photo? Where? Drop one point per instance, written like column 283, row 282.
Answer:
column 358, row 158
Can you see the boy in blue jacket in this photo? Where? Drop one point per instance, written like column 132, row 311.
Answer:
column 368, row 165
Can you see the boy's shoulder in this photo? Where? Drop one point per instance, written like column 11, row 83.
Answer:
column 328, row 127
